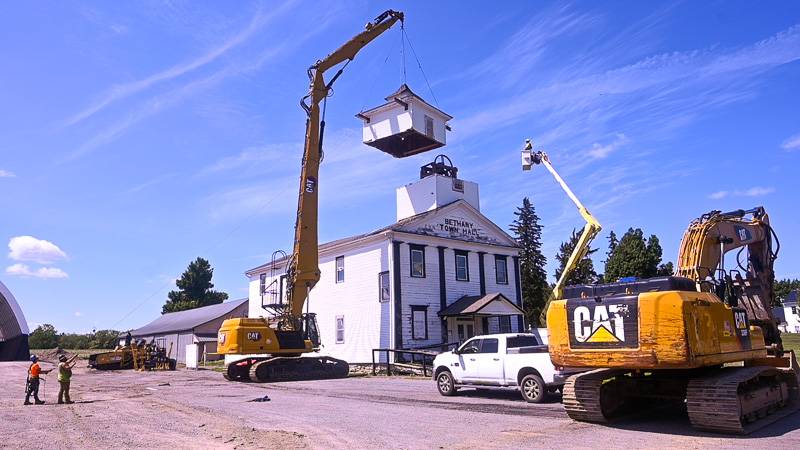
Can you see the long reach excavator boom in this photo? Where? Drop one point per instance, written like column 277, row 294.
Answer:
column 280, row 340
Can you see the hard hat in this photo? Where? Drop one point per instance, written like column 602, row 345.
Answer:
column 33, row 358
column 62, row 358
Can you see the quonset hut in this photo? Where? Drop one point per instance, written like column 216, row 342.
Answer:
column 13, row 328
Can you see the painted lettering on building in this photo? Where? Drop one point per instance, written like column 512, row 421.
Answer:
column 458, row 226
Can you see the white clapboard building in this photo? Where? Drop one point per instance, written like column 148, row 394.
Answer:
column 441, row 273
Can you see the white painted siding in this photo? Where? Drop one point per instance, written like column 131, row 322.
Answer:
column 792, row 318
column 420, row 292
column 367, row 321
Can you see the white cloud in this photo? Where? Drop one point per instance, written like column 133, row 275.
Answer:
column 162, row 101
column 122, row 91
column 29, row 248
column 23, row 270
column 7, row 174
column 755, row 191
column 599, row 151
column 792, row 143
column 758, row 191
column 718, row 195
column 78, row 314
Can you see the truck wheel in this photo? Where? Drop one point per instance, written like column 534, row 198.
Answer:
column 446, row 384
column 532, row 388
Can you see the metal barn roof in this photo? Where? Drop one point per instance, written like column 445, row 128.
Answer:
column 187, row 320
column 12, row 322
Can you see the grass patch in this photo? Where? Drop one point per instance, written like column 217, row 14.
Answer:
column 791, row 342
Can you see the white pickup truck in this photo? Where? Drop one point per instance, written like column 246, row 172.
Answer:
column 504, row 360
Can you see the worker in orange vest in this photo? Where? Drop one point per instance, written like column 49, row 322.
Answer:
column 34, row 371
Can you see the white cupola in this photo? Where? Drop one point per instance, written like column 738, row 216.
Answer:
column 438, row 185
column 405, row 125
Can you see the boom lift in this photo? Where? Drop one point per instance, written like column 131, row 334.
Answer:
column 292, row 332
column 705, row 339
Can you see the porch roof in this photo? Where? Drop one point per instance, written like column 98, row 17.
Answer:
column 493, row 304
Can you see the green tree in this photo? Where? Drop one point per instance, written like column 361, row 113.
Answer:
column 612, row 244
column 44, row 336
column 195, row 289
column 634, row 256
column 784, row 287
column 533, row 277
column 104, row 339
column 584, row 273
column 74, row 341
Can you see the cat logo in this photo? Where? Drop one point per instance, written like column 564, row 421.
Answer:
column 612, row 323
column 743, row 233
column 254, row 336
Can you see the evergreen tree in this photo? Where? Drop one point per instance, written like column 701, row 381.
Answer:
column 784, row 287
column 584, row 273
column 635, row 257
column 528, row 233
column 612, row 244
column 194, row 289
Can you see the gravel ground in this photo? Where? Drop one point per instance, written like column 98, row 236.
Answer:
column 199, row 409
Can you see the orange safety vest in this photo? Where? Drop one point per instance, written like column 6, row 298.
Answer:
column 35, row 370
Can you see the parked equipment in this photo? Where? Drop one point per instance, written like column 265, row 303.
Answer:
column 706, row 338
column 138, row 355
column 292, row 332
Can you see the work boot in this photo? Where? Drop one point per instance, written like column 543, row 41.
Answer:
column 27, row 403
column 69, row 402
column 40, row 402
column 60, row 402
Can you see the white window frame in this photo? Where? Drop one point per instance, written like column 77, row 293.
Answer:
column 429, row 126
column 502, row 260
column 340, row 269
column 417, row 334
column 339, row 329
column 421, row 250
column 465, row 255
column 384, row 292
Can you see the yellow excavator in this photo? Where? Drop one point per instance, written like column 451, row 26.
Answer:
column 281, row 340
column 705, row 339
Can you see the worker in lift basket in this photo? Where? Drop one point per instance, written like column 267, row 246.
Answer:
column 32, row 386
column 64, row 376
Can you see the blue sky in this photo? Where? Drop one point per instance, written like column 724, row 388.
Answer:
column 135, row 137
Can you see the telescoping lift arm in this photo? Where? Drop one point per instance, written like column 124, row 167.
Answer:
column 303, row 271
column 590, row 230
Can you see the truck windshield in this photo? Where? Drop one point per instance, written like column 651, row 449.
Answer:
column 521, row 341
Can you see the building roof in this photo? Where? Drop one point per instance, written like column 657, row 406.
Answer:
column 397, row 226
column 12, row 322
column 791, row 299
column 473, row 304
column 403, row 92
column 189, row 319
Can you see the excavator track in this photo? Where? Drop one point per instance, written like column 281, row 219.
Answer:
column 583, row 396
column 741, row 400
column 297, row 368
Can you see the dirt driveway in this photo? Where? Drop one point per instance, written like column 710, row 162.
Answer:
column 199, row 409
